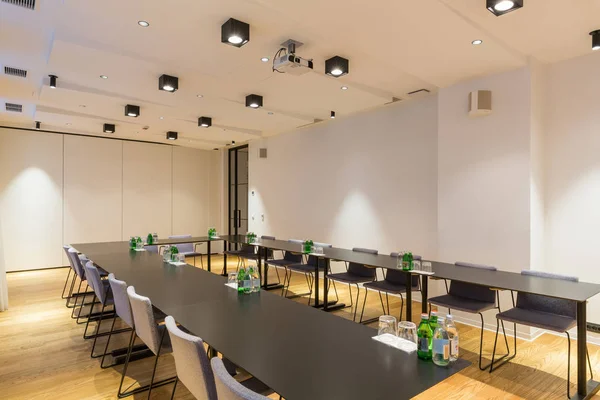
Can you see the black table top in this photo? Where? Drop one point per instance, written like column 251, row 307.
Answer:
column 299, row 351
column 195, row 239
column 577, row 291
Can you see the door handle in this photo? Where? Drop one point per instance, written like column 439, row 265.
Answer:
column 240, row 218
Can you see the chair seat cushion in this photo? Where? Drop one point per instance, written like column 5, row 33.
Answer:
column 190, row 253
column 248, row 256
column 538, row 319
column 461, row 303
column 306, row 268
column 281, row 263
column 349, row 278
column 388, row 287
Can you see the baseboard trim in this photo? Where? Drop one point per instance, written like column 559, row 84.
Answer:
column 38, row 269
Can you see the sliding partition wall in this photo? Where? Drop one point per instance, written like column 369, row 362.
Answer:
column 238, row 190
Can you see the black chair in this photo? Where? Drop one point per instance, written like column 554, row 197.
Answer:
column 289, row 258
column 355, row 275
column 393, row 283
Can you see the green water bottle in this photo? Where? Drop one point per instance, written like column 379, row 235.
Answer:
column 242, row 280
column 424, row 339
column 406, row 262
column 150, row 239
column 174, row 252
column 131, row 243
column 410, row 261
column 433, row 321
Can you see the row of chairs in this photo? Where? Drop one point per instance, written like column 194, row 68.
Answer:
column 205, row 378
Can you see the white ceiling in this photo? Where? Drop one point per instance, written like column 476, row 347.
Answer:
column 394, row 47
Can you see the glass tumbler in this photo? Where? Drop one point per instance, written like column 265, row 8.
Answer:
column 387, row 324
column 426, row 266
column 232, row 277
column 408, row 331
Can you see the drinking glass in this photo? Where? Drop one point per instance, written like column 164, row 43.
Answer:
column 426, row 266
column 387, row 324
column 181, row 258
column 232, row 277
column 416, row 265
column 408, row 331
column 139, row 245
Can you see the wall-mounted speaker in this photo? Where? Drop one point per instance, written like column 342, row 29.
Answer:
column 262, row 153
column 480, row 103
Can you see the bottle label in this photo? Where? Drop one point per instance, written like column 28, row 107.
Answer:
column 441, row 346
column 424, row 344
column 256, row 283
column 454, row 347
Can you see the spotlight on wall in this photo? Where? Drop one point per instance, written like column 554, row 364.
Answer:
column 109, row 128
column 336, row 66
column 172, row 135
column 235, row 33
column 204, row 122
column 168, row 83
column 38, row 125
column 501, row 7
column 595, row 39
column 132, row 111
column 254, row 101
column 53, row 79
column 332, row 115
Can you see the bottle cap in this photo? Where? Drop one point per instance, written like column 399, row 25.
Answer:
column 434, row 314
column 449, row 316
column 424, row 316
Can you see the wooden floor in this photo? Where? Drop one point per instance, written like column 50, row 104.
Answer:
column 43, row 355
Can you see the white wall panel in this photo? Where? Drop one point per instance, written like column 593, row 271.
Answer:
column 93, row 172
column 147, row 189
column 31, row 185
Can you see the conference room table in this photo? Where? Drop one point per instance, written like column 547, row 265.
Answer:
column 579, row 292
column 194, row 239
column 298, row 351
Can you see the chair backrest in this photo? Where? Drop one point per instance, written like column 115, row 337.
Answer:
column 470, row 290
column 143, row 318
column 152, row 249
column 536, row 302
column 191, row 362
column 183, row 247
column 94, row 280
column 121, row 299
column 268, row 237
column 296, row 241
column 295, row 258
column 227, row 387
column 361, row 269
column 66, row 249
column 72, row 253
column 362, row 250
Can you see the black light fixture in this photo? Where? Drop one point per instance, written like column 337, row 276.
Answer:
column 337, row 66
column 168, row 83
column 109, row 128
column 38, row 125
column 595, row 39
column 254, row 101
column 172, row 135
column 132, row 111
column 204, row 122
column 501, row 7
column 235, row 33
column 332, row 115
column 53, row 79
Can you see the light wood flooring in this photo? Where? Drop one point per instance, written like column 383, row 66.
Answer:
column 43, row 355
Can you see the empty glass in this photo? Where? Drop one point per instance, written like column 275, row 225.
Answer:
column 232, row 277
column 416, row 265
column 408, row 331
column 387, row 324
column 426, row 266
column 181, row 258
column 139, row 245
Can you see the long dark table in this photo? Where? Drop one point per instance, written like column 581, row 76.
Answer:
column 579, row 292
column 298, row 351
column 195, row 239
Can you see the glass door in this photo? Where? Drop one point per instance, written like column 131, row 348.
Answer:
column 238, row 190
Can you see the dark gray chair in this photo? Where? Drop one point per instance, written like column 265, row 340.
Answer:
column 393, row 283
column 188, row 249
column 355, row 275
column 538, row 311
column 247, row 250
column 473, row 299
column 227, row 387
column 289, row 258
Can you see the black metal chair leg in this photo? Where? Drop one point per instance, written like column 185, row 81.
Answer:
column 65, row 287
column 88, row 320
column 76, row 298
column 505, row 358
column 568, row 365
column 112, row 328
column 589, row 362
column 162, row 337
column 357, row 299
column 363, row 307
column 97, row 330
column 387, row 300
column 131, row 340
column 350, row 290
column 174, row 388
column 381, row 300
column 401, row 307
column 71, row 291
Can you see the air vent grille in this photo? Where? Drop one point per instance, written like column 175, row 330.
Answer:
column 29, row 4
column 15, row 72
column 14, row 107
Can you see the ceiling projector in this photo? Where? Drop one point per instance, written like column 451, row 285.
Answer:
column 291, row 63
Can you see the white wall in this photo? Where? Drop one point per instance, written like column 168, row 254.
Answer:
column 57, row 189
column 572, row 166
column 368, row 180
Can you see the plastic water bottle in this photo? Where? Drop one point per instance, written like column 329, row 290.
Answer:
column 254, row 279
column 155, row 238
column 424, row 336
column 441, row 345
column 452, row 336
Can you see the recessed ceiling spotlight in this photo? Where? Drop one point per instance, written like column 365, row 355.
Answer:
column 270, row 113
column 144, row 24
column 204, row 122
column 68, row 124
column 103, row 76
column 199, row 96
column 109, row 128
column 477, row 42
column 82, row 106
column 168, row 83
column 332, row 115
column 235, row 33
column 344, row 88
column 595, row 39
column 132, row 111
column 172, row 135
column 336, row 66
column 38, row 125
column 264, row 59
column 254, row 101
column 53, row 79
column 501, row 7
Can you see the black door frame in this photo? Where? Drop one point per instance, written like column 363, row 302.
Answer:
column 235, row 219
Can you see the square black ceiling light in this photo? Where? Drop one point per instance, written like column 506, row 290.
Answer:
column 254, row 101
column 109, row 128
column 235, row 33
column 501, row 7
column 168, row 83
column 337, row 66
column 132, row 111
column 172, row 135
column 204, row 122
